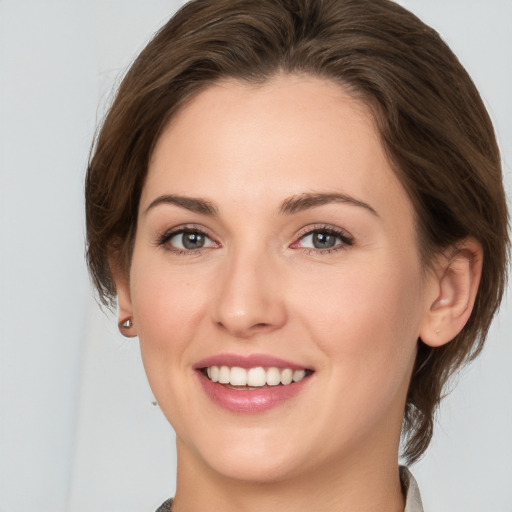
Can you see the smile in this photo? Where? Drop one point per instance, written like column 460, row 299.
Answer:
column 251, row 384
column 257, row 377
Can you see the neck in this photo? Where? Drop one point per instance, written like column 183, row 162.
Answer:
column 360, row 484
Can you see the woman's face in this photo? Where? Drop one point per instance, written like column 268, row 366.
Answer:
column 274, row 238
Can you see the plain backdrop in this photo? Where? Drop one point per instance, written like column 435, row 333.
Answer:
column 78, row 432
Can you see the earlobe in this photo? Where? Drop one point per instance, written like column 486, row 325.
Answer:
column 454, row 286
column 126, row 323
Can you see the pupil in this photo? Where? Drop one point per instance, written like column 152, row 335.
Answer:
column 323, row 241
column 193, row 240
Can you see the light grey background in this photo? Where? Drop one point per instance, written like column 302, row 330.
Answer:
column 78, row 432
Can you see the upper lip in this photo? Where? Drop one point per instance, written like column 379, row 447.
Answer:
column 247, row 361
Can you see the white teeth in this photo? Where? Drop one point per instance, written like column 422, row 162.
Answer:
column 238, row 377
column 254, row 377
column 286, row 376
column 298, row 375
column 224, row 375
column 214, row 373
column 273, row 377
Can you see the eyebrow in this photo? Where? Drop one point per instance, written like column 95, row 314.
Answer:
column 193, row 204
column 312, row 200
column 290, row 206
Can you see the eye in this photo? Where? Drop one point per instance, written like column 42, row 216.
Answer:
column 186, row 240
column 320, row 240
column 324, row 240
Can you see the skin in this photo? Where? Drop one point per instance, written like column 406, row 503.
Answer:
column 352, row 313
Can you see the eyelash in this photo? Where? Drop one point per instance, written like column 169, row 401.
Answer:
column 346, row 240
column 163, row 240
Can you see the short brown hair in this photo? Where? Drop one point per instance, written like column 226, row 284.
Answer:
column 432, row 122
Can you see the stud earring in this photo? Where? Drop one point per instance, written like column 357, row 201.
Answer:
column 124, row 325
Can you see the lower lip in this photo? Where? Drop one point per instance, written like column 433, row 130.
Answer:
column 249, row 401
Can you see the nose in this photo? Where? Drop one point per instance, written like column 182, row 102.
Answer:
column 250, row 296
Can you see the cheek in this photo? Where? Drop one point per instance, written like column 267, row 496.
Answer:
column 167, row 306
column 366, row 318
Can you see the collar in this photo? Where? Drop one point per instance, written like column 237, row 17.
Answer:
column 411, row 491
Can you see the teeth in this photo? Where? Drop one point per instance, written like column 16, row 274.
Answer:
column 298, row 375
column 254, row 377
column 273, row 377
column 224, row 375
column 238, row 377
column 287, row 376
column 214, row 373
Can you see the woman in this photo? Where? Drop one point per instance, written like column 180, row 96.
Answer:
column 298, row 207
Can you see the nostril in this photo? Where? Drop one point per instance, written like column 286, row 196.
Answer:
column 244, row 330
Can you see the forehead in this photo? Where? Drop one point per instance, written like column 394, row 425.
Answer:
column 252, row 144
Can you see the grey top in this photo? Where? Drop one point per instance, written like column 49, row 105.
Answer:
column 411, row 491
column 409, row 485
column 165, row 507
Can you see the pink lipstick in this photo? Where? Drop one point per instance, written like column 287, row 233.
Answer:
column 251, row 384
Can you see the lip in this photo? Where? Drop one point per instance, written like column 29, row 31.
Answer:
column 249, row 401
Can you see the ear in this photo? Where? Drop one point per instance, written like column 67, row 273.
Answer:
column 125, row 321
column 454, row 287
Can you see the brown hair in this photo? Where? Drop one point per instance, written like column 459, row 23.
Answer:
column 432, row 122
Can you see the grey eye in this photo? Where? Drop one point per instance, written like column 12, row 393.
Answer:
column 190, row 240
column 321, row 240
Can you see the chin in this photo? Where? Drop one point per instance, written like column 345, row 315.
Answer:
column 254, row 468
column 249, row 455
